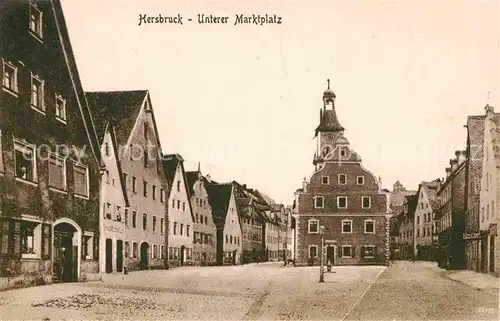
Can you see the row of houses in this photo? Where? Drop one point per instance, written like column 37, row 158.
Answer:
column 453, row 220
column 85, row 187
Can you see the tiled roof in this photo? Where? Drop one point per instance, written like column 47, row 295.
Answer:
column 122, row 107
column 191, row 178
column 412, row 203
column 219, row 196
column 170, row 163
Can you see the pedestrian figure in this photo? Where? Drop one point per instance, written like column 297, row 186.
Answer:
column 62, row 262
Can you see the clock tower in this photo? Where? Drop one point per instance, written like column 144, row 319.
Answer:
column 329, row 130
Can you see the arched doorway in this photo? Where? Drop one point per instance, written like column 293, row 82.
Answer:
column 183, row 254
column 144, row 262
column 67, row 244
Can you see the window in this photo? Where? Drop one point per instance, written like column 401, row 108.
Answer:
column 342, row 152
column 88, row 242
column 347, row 251
column 154, row 192
column 227, row 238
column 178, row 205
column 134, row 184
column 25, row 161
column 183, row 206
column 146, row 132
column 313, row 226
column 368, row 251
column 196, row 218
column 9, row 77
column 162, row 252
column 325, row 180
column 318, row 201
column 35, row 21
column 187, row 230
column 342, row 202
column 126, row 217
column 162, row 196
column 178, row 186
column 144, row 221
column 206, row 220
column 61, row 112
column 162, row 225
column 173, row 203
column 342, row 179
column 175, row 228
column 80, row 176
column 134, row 219
column 145, row 188
column 57, row 172
column 106, row 149
column 135, row 250
column 366, row 202
column 369, row 227
column 360, row 180
column 146, row 156
column 313, row 251
column 31, row 233
column 346, row 226
column 107, row 211
column 154, row 223
column 155, row 250
column 181, row 230
column 37, row 101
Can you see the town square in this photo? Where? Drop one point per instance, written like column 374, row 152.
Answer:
column 178, row 168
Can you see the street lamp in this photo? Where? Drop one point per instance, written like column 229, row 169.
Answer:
column 321, row 268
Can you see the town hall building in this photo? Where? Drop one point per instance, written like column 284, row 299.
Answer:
column 342, row 201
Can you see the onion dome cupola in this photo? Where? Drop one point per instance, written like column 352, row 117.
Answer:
column 328, row 118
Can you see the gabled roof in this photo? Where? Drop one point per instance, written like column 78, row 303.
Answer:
column 191, row 177
column 170, row 164
column 75, row 77
column 118, row 164
column 412, row 201
column 121, row 106
column 219, row 196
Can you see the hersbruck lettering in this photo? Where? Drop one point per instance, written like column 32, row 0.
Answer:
column 257, row 19
column 144, row 19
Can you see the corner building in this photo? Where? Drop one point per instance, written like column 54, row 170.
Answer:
column 342, row 196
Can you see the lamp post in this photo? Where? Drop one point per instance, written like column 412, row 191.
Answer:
column 321, row 268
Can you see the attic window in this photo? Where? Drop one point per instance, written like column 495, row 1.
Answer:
column 35, row 22
column 106, row 149
column 342, row 152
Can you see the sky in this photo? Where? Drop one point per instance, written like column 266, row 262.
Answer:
column 244, row 100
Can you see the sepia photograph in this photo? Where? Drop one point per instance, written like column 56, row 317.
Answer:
column 249, row 160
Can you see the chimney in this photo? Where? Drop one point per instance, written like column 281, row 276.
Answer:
column 304, row 185
column 453, row 164
column 209, row 178
column 461, row 156
column 448, row 172
column 489, row 109
column 244, row 186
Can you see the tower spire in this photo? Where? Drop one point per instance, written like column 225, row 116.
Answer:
column 328, row 81
column 198, row 167
column 489, row 94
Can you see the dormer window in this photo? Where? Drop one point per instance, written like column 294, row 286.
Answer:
column 35, row 22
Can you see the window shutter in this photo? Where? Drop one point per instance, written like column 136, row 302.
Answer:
column 353, row 251
column 96, row 247
column 16, row 239
column 363, row 251
column 46, row 241
column 4, row 237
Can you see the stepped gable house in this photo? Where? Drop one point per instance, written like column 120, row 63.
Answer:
column 49, row 153
column 205, row 231
column 139, row 154
column 342, row 196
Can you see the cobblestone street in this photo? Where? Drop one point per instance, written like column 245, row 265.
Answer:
column 404, row 291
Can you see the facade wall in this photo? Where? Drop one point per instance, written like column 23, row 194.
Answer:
column 204, row 242
column 26, row 192
column 252, row 240
column 181, row 233
column 112, row 223
column 142, row 238
column 232, row 240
